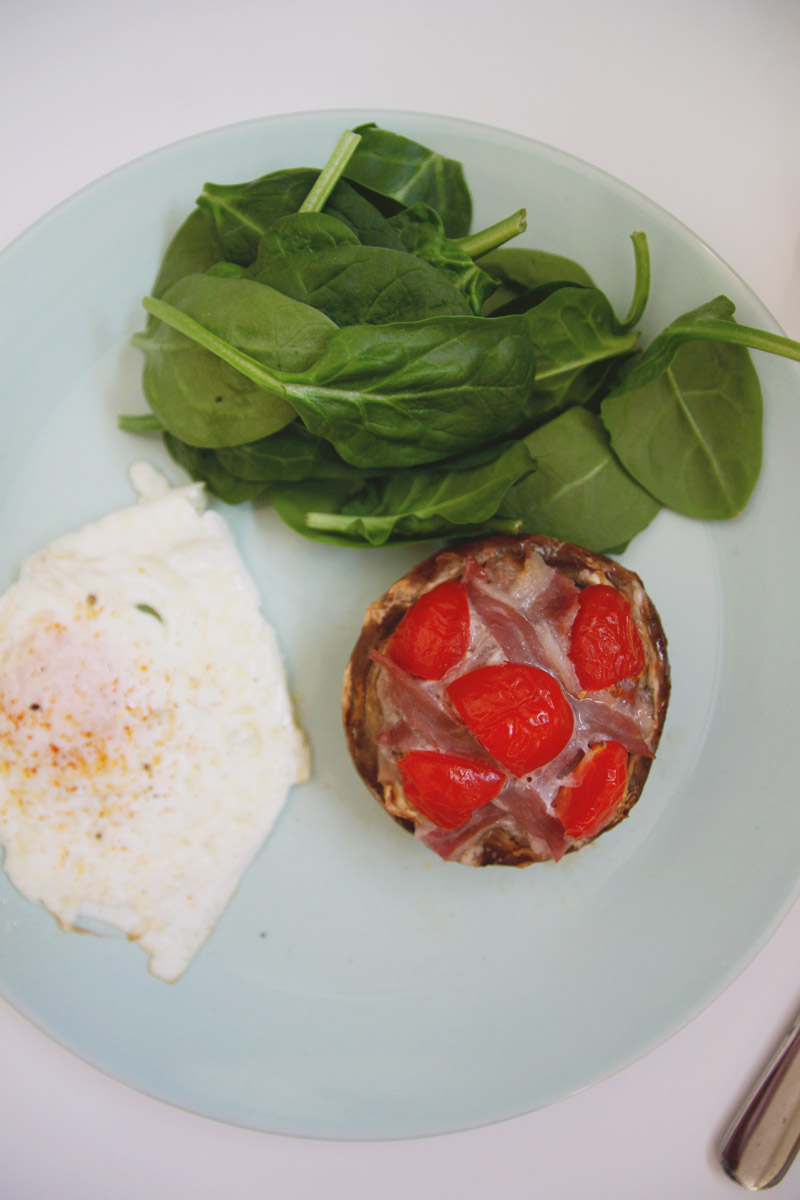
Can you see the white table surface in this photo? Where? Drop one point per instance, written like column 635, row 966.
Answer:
column 693, row 102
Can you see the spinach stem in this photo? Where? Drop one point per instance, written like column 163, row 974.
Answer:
column 332, row 521
column 641, row 287
column 140, row 423
column 251, row 368
column 505, row 524
column 485, row 240
column 343, row 522
column 331, row 173
column 742, row 335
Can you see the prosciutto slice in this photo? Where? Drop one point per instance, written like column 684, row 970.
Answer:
column 455, row 844
column 521, row 801
column 425, row 708
column 513, row 632
column 601, row 719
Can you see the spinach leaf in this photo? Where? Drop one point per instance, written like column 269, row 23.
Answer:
column 686, row 419
column 193, row 249
column 357, row 285
column 692, row 435
column 366, row 221
column 405, row 394
column 524, row 277
column 293, row 454
column 422, row 233
column 317, row 259
column 204, row 466
column 408, row 505
column 505, row 302
column 527, row 277
column 299, row 232
column 242, row 213
column 576, row 338
column 579, row 491
column 198, row 397
column 524, row 269
column 395, row 167
column 293, row 501
column 290, row 455
column 397, row 395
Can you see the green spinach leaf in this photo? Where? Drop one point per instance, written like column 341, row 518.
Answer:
column 193, row 249
column 300, row 232
column 363, row 285
column 408, row 505
column 198, row 397
column 204, row 466
column 576, row 339
column 579, row 491
column 523, row 269
column 422, row 233
column 290, row 455
column 242, row 213
column 524, row 277
column 293, row 501
column 402, row 394
column 527, row 277
column 686, row 418
column 294, row 454
column 397, row 168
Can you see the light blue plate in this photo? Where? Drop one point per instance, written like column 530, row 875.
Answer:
column 357, row 986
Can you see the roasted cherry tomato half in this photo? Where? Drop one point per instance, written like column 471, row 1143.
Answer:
column 597, row 786
column 518, row 712
column 433, row 635
column 447, row 789
column 605, row 646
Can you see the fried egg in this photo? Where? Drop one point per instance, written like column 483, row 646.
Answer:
column 147, row 736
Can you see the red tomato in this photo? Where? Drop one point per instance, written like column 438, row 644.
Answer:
column 434, row 633
column 605, row 646
column 518, row 712
column 447, row 789
column 599, row 783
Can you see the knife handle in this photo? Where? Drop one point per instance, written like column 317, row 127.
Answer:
column 764, row 1136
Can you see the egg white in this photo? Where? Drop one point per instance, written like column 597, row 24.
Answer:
column 147, row 739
